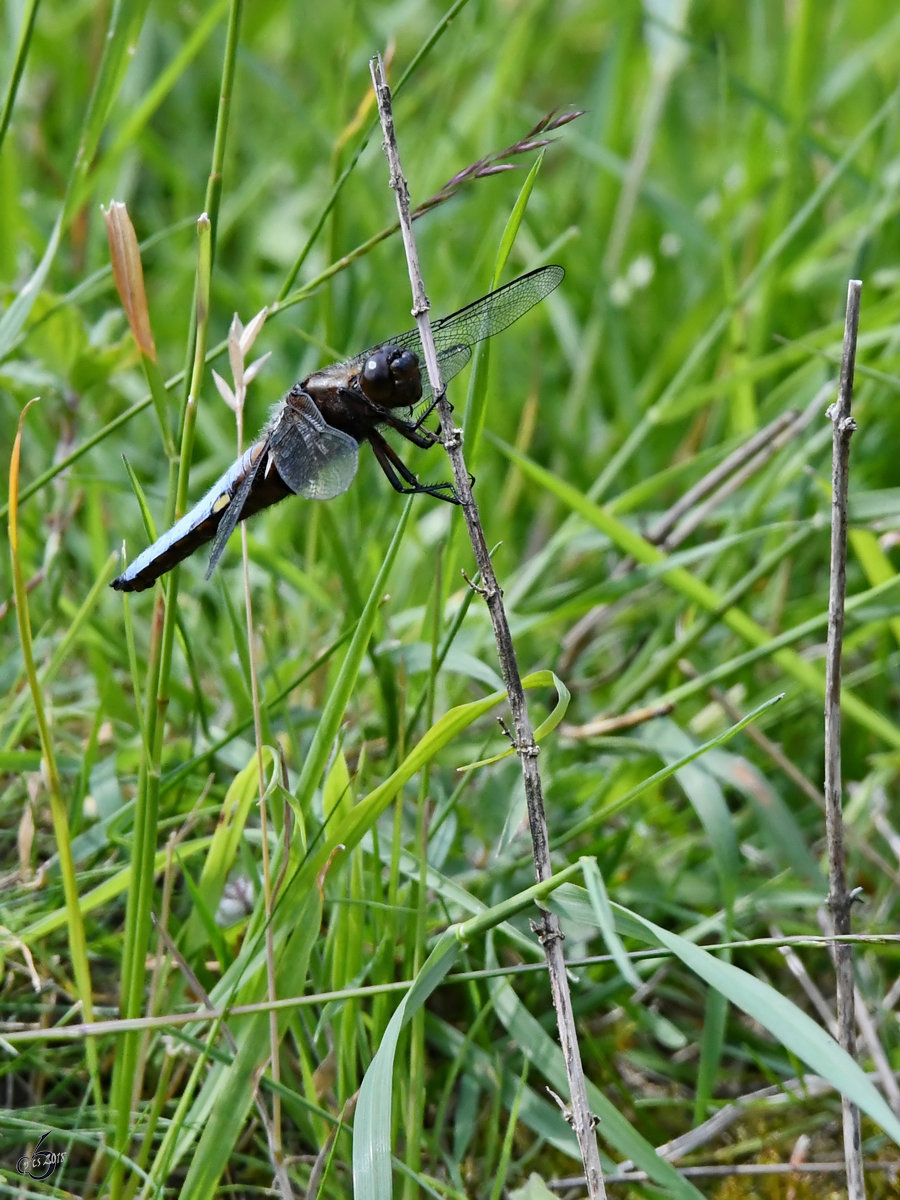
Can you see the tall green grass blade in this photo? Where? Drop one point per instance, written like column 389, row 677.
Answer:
column 78, row 949
column 371, row 1126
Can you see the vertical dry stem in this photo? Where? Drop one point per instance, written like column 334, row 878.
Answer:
column 547, row 929
column 839, row 898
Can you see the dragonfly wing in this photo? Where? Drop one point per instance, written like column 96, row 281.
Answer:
column 455, row 335
column 497, row 310
column 313, row 458
column 489, row 315
column 451, row 361
column 232, row 513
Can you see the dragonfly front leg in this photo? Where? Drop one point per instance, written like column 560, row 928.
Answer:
column 412, row 431
column 429, row 410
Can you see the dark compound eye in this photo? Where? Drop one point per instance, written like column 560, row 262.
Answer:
column 375, row 379
column 404, row 365
column 390, row 377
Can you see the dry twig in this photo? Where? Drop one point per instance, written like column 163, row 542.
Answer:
column 547, row 929
column 840, row 899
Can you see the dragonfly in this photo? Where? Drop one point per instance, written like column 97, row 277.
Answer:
column 310, row 445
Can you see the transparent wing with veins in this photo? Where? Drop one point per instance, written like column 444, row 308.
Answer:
column 313, row 459
column 456, row 334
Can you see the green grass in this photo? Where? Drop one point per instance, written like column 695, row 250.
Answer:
column 723, row 185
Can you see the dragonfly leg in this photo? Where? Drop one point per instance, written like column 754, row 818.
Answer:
column 428, row 411
column 423, row 438
column 401, row 478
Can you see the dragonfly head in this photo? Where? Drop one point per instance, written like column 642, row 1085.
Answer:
column 390, row 377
